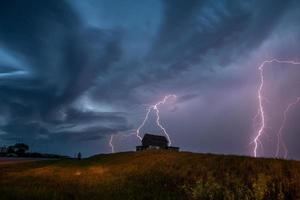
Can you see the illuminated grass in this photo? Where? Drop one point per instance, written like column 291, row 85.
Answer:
column 152, row 175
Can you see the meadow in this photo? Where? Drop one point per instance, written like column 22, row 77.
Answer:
column 152, row 175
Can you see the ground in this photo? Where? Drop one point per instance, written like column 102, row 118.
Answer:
column 152, row 175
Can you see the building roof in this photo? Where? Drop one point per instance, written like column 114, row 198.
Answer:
column 150, row 139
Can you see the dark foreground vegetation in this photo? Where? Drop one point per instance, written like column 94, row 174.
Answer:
column 152, row 175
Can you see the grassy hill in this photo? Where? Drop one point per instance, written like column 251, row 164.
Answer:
column 152, row 175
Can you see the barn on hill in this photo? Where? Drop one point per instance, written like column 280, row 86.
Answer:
column 151, row 141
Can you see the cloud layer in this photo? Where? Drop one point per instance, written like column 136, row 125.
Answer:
column 78, row 71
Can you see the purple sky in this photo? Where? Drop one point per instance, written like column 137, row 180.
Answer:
column 72, row 73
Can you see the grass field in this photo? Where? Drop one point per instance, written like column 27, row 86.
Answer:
column 152, row 175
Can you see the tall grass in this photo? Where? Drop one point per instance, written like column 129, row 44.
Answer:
column 152, row 175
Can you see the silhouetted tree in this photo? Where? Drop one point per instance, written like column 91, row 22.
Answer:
column 19, row 148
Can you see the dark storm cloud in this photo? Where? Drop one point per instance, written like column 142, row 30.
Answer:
column 79, row 126
column 191, row 30
column 186, row 97
column 21, row 131
column 76, row 116
column 91, row 133
column 189, row 34
column 60, row 58
column 63, row 77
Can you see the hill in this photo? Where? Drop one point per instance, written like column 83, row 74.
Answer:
column 152, row 175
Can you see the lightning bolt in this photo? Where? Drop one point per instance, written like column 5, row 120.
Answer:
column 143, row 123
column 112, row 138
column 279, row 135
column 111, row 144
column 156, row 109
column 261, row 109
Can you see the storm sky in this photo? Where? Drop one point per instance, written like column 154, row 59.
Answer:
column 73, row 73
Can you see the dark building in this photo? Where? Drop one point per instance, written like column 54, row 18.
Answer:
column 150, row 141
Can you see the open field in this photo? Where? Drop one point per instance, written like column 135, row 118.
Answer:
column 152, row 175
column 7, row 160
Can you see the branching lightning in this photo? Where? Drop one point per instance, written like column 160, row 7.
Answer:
column 261, row 109
column 156, row 109
column 279, row 135
column 143, row 123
